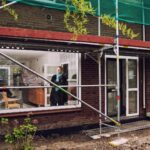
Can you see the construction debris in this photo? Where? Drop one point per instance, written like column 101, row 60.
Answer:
column 118, row 142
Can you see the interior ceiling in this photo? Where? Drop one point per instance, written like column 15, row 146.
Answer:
column 23, row 54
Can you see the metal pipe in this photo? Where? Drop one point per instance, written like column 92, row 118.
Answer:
column 91, row 57
column 108, row 125
column 105, row 72
column 143, row 16
column 132, row 47
column 144, row 33
column 99, row 19
column 71, row 42
column 55, row 85
column 100, row 94
column 11, row 3
column 117, row 62
column 25, row 87
column 144, row 103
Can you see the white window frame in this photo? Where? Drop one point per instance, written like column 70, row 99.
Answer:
column 132, row 89
column 45, row 108
column 127, row 90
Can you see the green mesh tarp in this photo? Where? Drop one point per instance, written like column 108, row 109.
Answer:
column 135, row 11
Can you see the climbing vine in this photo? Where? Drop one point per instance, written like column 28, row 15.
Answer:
column 111, row 22
column 76, row 21
column 11, row 11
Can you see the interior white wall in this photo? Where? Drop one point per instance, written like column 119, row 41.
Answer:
column 50, row 58
column 71, row 60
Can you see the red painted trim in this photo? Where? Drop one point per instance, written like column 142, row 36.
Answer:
column 50, row 35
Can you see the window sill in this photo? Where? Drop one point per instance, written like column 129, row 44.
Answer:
column 39, row 111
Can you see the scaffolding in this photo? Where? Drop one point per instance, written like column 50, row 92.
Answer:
column 115, row 12
column 99, row 62
column 61, row 88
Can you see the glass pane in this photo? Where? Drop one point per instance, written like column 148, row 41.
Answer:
column 111, row 92
column 132, row 102
column 112, row 104
column 48, row 101
column 3, row 76
column 44, row 63
column 132, row 73
column 111, row 72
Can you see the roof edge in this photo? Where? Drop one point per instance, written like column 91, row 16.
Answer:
column 64, row 36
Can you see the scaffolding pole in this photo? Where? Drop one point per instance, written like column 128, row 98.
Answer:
column 45, row 86
column 9, row 4
column 117, row 61
column 100, row 94
column 65, row 91
column 99, row 19
column 143, row 16
column 99, row 70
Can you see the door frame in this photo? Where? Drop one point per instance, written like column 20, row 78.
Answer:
column 126, row 58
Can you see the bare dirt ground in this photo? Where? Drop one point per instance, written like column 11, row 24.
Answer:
column 138, row 140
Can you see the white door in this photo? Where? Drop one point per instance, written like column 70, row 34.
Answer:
column 132, row 91
column 129, row 85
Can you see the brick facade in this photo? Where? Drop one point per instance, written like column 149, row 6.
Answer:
column 40, row 18
column 147, row 33
column 52, row 20
column 81, row 116
column 107, row 31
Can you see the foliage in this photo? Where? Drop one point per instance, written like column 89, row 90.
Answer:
column 111, row 22
column 11, row 11
column 76, row 21
column 4, row 125
column 21, row 137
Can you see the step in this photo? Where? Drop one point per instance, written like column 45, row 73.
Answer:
column 128, row 127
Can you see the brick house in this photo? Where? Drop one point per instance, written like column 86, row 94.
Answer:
column 33, row 35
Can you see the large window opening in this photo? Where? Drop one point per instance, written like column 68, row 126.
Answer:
column 23, row 90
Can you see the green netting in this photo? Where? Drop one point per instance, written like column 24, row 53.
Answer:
column 135, row 11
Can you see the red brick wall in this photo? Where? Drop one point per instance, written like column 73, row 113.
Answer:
column 107, row 31
column 147, row 33
column 37, row 18
column 89, row 73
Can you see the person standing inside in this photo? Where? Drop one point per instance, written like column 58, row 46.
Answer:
column 58, row 97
